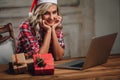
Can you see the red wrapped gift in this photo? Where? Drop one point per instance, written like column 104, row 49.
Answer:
column 47, row 65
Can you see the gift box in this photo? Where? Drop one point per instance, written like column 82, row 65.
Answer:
column 30, row 65
column 43, row 64
column 19, row 63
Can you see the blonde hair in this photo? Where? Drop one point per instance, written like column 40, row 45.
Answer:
column 38, row 11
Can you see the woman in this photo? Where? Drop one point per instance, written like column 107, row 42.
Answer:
column 41, row 32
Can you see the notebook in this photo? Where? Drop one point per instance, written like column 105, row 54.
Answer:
column 97, row 54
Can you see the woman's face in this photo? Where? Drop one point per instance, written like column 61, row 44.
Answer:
column 50, row 15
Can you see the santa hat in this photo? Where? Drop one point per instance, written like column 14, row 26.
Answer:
column 37, row 2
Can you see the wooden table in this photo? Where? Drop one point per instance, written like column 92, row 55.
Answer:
column 107, row 71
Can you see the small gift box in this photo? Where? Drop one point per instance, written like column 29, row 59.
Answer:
column 43, row 64
column 30, row 65
column 19, row 63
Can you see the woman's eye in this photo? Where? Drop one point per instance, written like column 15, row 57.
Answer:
column 46, row 13
column 54, row 12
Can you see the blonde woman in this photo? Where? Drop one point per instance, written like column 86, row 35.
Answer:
column 41, row 32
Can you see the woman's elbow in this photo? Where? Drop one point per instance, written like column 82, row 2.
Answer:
column 59, row 57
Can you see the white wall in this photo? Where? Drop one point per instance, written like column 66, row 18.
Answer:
column 107, row 20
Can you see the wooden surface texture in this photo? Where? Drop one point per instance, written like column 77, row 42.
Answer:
column 107, row 71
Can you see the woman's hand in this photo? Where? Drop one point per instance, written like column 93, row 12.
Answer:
column 58, row 22
column 44, row 25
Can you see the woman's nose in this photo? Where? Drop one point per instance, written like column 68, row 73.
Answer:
column 51, row 16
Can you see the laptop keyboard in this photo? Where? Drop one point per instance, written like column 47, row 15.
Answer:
column 78, row 65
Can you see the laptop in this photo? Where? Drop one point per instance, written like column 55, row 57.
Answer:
column 98, row 53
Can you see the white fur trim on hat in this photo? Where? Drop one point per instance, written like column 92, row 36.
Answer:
column 37, row 2
column 45, row 1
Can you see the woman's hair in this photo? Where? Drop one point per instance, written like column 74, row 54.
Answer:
column 38, row 11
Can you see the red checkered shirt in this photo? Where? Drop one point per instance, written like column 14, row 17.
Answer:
column 29, row 43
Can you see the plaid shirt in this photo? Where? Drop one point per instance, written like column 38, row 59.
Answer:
column 29, row 43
